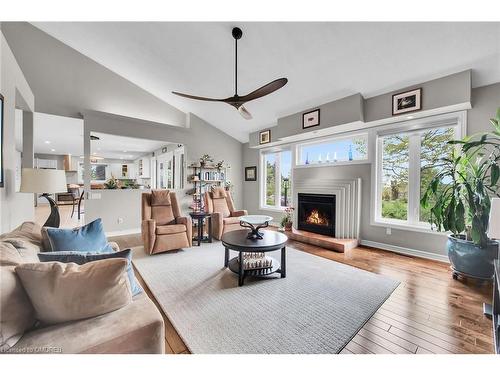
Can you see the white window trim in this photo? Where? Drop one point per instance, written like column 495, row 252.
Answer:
column 262, row 178
column 459, row 119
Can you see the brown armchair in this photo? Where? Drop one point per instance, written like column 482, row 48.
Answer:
column 225, row 218
column 163, row 228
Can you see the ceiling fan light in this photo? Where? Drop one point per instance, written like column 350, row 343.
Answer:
column 244, row 113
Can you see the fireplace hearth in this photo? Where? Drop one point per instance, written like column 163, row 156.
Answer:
column 316, row 213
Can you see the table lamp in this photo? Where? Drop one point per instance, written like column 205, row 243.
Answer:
column 45, row 181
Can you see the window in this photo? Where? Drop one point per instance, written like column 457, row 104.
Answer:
column 406, row 163
column 276, row 187
column 333, row 150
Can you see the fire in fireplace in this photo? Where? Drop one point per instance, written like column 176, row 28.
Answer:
column 316, row 213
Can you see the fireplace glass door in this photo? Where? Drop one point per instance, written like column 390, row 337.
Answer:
column 316, row 213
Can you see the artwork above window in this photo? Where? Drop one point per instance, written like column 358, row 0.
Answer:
column 333, row 150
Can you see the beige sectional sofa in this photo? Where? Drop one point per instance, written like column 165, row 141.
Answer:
column 136, row 328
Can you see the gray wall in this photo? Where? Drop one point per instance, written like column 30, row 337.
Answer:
column 14, row 207
column 442, row 92
column 485, row 102
column 200, row 138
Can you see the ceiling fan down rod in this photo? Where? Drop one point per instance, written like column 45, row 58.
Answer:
column 237, row 34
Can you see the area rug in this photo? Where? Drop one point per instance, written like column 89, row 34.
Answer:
column 317, row 308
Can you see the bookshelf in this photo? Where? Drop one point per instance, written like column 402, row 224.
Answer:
column 203, row 179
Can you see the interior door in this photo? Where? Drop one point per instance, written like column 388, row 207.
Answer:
column 165, row 171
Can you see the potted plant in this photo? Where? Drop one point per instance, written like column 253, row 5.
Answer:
column 459, row 197
column 112, row 183
column 228, row 185
column 287, row 219
column 205, row 159
column 220, row 165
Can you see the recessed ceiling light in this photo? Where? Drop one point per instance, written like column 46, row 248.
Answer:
column 47, row 142
column 121, row 157
column 52, row 149
column 124, row 150
column 95, row 153
column 409, row 117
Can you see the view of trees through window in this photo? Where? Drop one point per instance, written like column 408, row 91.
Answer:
column 278, row 167
column 430, row 145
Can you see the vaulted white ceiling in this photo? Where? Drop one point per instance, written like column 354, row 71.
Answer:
column 323, row 61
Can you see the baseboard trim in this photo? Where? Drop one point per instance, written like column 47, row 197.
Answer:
column 123, row 232
column 405, row 251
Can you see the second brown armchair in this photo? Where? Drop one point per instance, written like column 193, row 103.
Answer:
column 225, row 218
column 163, row 228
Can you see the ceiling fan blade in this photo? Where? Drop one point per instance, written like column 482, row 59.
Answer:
column 264, row 90
column 198, row 97
column 244, row 113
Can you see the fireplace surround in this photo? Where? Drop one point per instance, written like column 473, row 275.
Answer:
column 316, row 213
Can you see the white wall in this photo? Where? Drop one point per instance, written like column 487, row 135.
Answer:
column 14, row 207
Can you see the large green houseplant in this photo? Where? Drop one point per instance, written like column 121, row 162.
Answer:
column 459, row 200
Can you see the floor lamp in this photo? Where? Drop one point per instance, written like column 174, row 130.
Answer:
column 45, row 182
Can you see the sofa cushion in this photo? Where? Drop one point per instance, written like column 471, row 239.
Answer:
column 231, row 220
column 135, row 328
column 87, row 238
column 16, row 312
column 160, row 198
column 170, row 229
column 61, row 292
column 81, row 258
column 26, row 239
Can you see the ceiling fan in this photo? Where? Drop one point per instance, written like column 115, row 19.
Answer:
column 237, row 101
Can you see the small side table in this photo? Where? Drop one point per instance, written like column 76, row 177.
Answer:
column 200, row 218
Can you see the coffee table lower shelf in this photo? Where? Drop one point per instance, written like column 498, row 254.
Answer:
column 259, row 272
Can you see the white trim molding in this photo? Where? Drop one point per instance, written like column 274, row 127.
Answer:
column 405, row 251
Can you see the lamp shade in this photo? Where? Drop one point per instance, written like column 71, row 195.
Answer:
column 43, row 181
column 494, row 226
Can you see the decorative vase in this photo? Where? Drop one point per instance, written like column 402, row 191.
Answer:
column 288, row 226
column 469, row 259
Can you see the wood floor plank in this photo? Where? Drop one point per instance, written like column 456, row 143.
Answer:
column 370, row 345
column 408, row 346
column 355, row 348
column 383, row 342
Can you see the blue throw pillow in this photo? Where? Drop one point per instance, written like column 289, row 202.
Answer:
column 81, row 258
column 90, row 237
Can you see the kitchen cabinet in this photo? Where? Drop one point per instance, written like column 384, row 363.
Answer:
column 46, row 163
column 143, row 168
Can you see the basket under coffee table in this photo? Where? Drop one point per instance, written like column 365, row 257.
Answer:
column 271, row 241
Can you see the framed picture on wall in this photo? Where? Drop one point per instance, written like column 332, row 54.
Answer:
column 265, row 137
column 1, row 142
column 409, row 101
column 251, row 174
column 310, row 119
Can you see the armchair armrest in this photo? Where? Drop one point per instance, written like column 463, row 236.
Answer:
column 189, row 227
column 239, row 213
column 148, row 231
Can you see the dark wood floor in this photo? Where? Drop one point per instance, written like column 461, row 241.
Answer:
column 428, row 313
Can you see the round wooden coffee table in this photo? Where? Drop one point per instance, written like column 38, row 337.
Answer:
column 238, row 241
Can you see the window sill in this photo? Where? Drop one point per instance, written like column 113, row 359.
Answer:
column 270, row 208
column 408, row 227
column 333, row 164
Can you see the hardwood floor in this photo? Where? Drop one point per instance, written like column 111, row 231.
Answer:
column 428, row 313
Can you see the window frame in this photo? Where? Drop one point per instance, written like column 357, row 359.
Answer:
column 262, row 176
column 297, row 148
column 414, row 129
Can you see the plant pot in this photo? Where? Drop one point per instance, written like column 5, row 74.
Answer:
column 469, row 259
column 288, row 227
